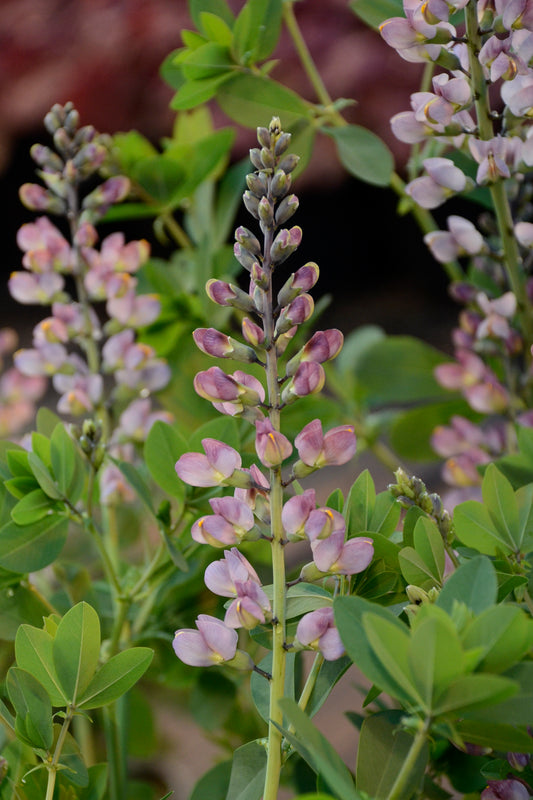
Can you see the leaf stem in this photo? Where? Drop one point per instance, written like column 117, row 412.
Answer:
column 52, row 766
column 311, row 681
column 408, row 765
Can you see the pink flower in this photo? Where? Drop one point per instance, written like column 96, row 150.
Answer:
column 443, row 180
column 508, row 789
column 230, row 523
column 317, row 450
column 323, row 522
column 36, row 288
column 462, row 239
column 222, row 576
column 251, row 607
column 216, row 467
column 295, row 513
column 300, row 281
column 272, row 447
column 317, row 631
column 309, row 378
column 337, row 557
column 213, row 643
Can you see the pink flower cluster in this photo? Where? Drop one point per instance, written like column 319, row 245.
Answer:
column 247, row 514
column 18, row 393
column 71, row 344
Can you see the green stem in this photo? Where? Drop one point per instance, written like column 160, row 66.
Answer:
column 528, row 601
column 114, row 728
column 52, row 766
column 502, row 209
column 408, row 765
column 176, row 231
column 306, row 59
column 311, row 681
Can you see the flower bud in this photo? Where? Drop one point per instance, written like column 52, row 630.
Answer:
column 247, row 239
column 257, row 184
column 286, row 209
column 255, row 158
column 253, row 333
column 272, row 447
column 295, row 313
column 281, row 183
column 251, row 204
column 245, row 258
column 300, row 281
column 62, row 142
column 288, row 163
column 37, row 198
column 45, row 157
column 282, row 143
column 267, row 158
column 226, row 294
column 265, row 210
column 309, row 378
column 285, row 244
column 321, row 347
column 263, row 137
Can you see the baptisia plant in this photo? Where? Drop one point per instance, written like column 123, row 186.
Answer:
column 267, row 502
column 470, row 127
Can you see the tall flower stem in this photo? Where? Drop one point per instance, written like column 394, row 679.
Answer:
column 277, row 683
column 512, row 259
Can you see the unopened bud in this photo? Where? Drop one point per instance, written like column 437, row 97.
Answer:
column 253, row 333
column 257, row 183
column 225, row 294
column 288, row 163
column 282, row 142
column 245, row 258
column 62, row 141
column 251, row 203
column 416, row 595
column 255, row 158
column 247, row 239
column 286, row 209
column 72, row 120
column 45, row 157
column 37, row 198
column 263, row 137
column 267, row 158
column 285, row 244
column 259, row 276
column 281, row 183
column 266, row 213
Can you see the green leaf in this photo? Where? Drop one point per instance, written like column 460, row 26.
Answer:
column 472, row 692
column 225, row 429
column 330, row 673
column 260, row 686
column 18, row 605
column 306, row 597
column 97, row 785
column 40, row 445
column 137, row 482
column 390, row 645
column 18, row 462
column 475, row 528
column 318, row 752
column 423, row 565
column 248, row 772
column 505, row 634
column 256, row 30
column 194, row 93
column 217, row 7
column 33, row 651
column 28, row 548
column 364, row 154
column 209, row 60
column 497, row 736
column 374, row 12
column 115, row 677
column 159, row 176
column 473, row 583
column 32, row 705
column 63, row 459
column 32, row 507
column 359, row 506
column 253, row 100
column 500, row 501
column 43, row 477
column 45, row 421
column 214, row 784
column 386, row 514
column 383, row 749
column 216, row 29
column 435, row 656
column 76, row 649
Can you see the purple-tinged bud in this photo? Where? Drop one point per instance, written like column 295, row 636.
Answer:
column 45, row 157
column 259, row 276
column 72, row 120
column 336, row 557
column 462, row 292
column 282, row 143
column 55, row 182
column 219, row 464
column 295, row 512
column 37, row 198
column 226, row 294
column 321, row 347
column 263, row 137
column 288, row 163
column 62, row 142
column 246, row 238
column 272, row 447
column 253, row 333
column 317, row 631
column 255, row 158
column 295, row 313
column 257, row 184
column 217, row 344
column 300, row 281
column 309, row 378
column 285, row 243
column 286, row 209
column 114, row 190
column 281, row 183
column 518, row 761
column 266, row 212
column 214, row 385
column 213, row 643
column 251, row 204
column 508, row 789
